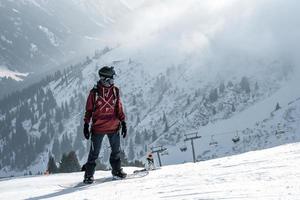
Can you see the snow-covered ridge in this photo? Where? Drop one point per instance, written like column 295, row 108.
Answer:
column 18, row 76
column 160, row 110
column 176, row 75
column 51, row 37
column 50, row 32
column 265, row 174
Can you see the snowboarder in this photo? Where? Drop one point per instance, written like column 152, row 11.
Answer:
column 105, row 109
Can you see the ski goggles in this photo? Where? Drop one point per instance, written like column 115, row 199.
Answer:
column 107, row 80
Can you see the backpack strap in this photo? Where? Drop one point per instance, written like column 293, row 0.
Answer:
column 96, row 94
column 116, row 96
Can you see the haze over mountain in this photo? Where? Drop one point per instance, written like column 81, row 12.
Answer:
column 216, row 67
column 37, row 36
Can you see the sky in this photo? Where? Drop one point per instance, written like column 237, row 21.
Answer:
column 235, row 34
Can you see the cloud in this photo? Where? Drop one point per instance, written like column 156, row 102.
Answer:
column 221, row 34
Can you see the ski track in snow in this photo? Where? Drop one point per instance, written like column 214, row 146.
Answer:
column 265, row 174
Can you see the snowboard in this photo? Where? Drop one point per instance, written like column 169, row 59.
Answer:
column 136, row 174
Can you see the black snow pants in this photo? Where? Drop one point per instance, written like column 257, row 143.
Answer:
column 115, row 160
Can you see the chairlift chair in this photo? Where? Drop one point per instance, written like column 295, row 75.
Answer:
column 165, row 153
column 279, row 130
column 213, row 142
column 183, row 148
column 236, row 138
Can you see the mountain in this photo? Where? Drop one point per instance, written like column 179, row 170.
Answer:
column 37, row 36
column 265, row 174
column 181, row 68
column 47, row 117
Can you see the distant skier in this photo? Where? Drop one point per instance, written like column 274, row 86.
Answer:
column 105, row 109
column 150, row 161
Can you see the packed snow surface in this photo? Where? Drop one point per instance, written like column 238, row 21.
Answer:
column 265, row 174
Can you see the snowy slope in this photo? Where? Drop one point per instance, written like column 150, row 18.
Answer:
column 266, row 174
column 256, row 127
column 146, row 98
column 170, row 71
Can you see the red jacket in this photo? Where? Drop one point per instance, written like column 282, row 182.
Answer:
column 107, row 112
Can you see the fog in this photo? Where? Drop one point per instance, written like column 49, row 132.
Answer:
column 215, row 34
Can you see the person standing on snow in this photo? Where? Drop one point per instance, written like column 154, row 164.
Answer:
column 150, row 161
column 105, row 109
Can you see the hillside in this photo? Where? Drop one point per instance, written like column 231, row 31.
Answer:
column 38, row 36
column 46, row 118
column 265, row 174
column 181, row 67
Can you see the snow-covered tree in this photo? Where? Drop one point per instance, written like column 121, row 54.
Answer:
column 52, row 167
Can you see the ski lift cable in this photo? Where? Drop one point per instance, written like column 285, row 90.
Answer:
column 235, row 132
column 162, row 135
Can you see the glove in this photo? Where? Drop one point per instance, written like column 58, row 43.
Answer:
column 124, row 129
column 86, row 131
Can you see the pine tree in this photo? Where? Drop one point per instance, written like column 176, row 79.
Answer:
column 51, row 167
column 188, row 101
column 67, row 112
column 165, row 122
column 63, row 165
column 131, row 130
column 56, row 150
column 233, row 108
column 131, row 150
column 78, row 144
column 124, row 161
column 133, row 100
column 50, row 129
column 66, row 144
column 154, row 135
column 58, row 115
column 21, row 134
column 69, row 163
column 73, row 162
column 277, row 107
column 256, row 86
column 42, row 124
column 138, row 120
column 229, row 84
column 137, row 138
column 214, row 111
column 72, row 103
column 213, row 95
column 60, row 127
column 222, row 87
column 244, row 84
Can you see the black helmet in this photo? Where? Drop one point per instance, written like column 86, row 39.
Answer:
column 107, row 72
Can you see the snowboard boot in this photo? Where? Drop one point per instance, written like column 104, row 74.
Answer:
column 119, row 174
column 88, row 180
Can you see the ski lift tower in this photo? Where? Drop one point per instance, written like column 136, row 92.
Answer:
column 192, row 136
column 158, row 150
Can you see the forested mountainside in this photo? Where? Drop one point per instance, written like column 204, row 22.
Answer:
column 37, row 36
column 47, row 117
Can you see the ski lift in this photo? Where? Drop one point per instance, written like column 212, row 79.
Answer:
column 213, row 142
column 236, row 138
column 279, row 130
column 183, row 148
column 165, row 153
